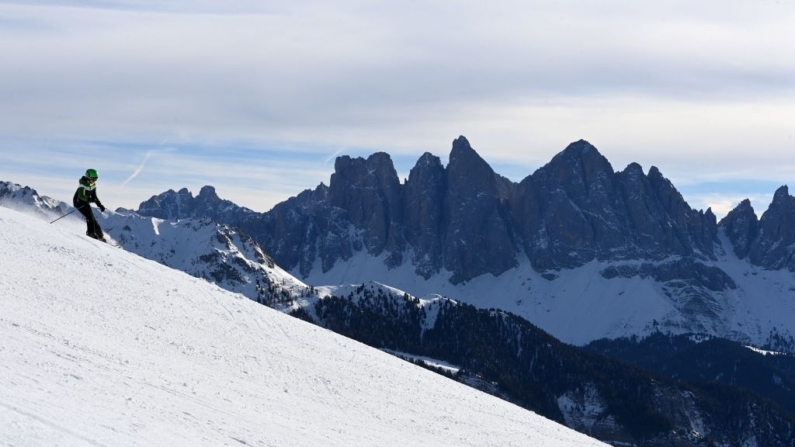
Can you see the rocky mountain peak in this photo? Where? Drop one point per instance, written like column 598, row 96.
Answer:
column 359, row 172
column 208, row 193
column 780, row 211
column 467, row 170
column 654, row 172
column 478, row 235
column 172, row 205
column 744, row 208
column 169, row 205
column 427, row 174
column 774, row 246
column 579, row 152
column 709, row 214
column 782, row 195
column 633, row 170
column 428, row 160
column 369, row 192
column 578, row 149
column 465, row 161
column 381, row 161
column 423, row 211
column 461, row 146
column 741, row 227
column 666, row 191
column 581, row 170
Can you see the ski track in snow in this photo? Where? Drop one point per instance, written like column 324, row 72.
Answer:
column 104, row 348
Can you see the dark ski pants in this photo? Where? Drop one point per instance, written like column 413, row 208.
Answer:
column 92, row 227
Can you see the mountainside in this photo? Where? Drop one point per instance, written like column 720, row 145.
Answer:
column 509, row 357
column 205, row 249
column 702, row 359
column 467, row 220
column 102, row 347
column 495, row 351
column 207, row 204
column 770, row 241
column 199, row 247
column 577, row 248
column 25, row 198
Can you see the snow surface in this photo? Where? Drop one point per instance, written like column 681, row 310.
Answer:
column 587, row 306
column 764, row 352
column 580, row 305
column 441, row 364
column 104, row 348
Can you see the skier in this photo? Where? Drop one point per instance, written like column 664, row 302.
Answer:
column 86, row 194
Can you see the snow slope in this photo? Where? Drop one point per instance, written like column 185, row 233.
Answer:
column 208, row 250
column 104, row 348
column 580, row 305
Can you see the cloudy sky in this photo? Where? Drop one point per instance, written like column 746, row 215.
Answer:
column 258, row 97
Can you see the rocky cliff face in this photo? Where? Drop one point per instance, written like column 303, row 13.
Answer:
column 468, row 220
column 368, row 193
column 424, row 214
column 741, row 227
column 576, row 209
column 172, row 205
column 477, row 236
column 774, row 245
column 768, row 242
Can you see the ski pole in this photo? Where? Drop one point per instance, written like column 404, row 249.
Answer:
column 70, row 212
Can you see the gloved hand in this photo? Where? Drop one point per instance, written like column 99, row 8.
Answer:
column 101, row 208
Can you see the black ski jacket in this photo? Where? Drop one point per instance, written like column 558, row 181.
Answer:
column 86, row 193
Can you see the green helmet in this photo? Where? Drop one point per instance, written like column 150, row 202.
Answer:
column 91, row 173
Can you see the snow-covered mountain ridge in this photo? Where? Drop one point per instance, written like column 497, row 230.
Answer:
column 25, row 198
column 211, row 251
column 578, row 248
column 199, row 247
column 104, row 348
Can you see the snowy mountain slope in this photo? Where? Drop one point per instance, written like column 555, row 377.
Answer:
column 103, row 348
column 15, row 196
column 759, row 310
column 199, row 247
column 208, row 250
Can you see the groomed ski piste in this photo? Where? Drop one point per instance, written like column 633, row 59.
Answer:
column 101, row 347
